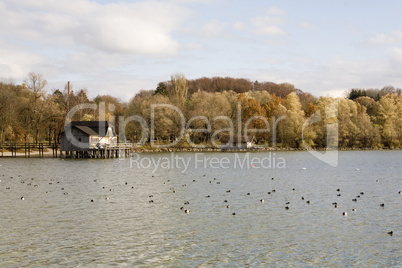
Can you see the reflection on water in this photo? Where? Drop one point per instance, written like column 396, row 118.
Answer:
column 136, row 219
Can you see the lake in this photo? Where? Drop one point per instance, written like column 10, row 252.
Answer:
column 271, row 209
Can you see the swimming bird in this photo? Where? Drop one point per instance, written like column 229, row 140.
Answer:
column 354, row 209
column 208, row 196
column 336, row 205
column 308, row 201
column 92, row 200
column 187, row 211
column 344, row 213
column 354, row 200
column 262, row 200
column 225, row 201
column 286, row 207
column 390, row 233
column 186, row 203
column 227, row 206
column 22, row 198
column 382, row 205
column 248, row 193
column 233, row 213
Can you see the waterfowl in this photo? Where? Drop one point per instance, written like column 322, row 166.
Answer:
column 382, row 205
column 390, row 233
column 362, row 193
column 338, row 190
column 187, row 211
column 354, row 209
column 338, row 195
column 107, row 197
column 233, row 213
column 186, row 203
column 92, row 200
column 248, row 193
column 151, row 201
column 208, row 196
column 225, row 201
column 294, row 189
column 308, row 201
column 286, row 207
column 302, row 198
column 228, row 191
column 22, row 198
column 344, row 213
column 336, row 205
column 262, row 200
column 227, row 206
column 354, row 200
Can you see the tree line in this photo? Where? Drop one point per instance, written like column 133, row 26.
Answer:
column 279, row 114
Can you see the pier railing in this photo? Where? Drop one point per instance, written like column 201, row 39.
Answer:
column 28, row 149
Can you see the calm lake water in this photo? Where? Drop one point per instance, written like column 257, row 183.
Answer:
column 99, row 212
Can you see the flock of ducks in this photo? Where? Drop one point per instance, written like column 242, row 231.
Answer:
column 187, row 211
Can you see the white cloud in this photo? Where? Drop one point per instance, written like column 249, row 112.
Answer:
column 213, row 28
column 133, row 28
column 238, row 25
column 337, row 76
column 307, row 25
column 386, row 39
column 269, row 25
column 275, row 11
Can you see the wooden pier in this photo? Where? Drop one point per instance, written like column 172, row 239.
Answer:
column 29, row 149
column 118, row 150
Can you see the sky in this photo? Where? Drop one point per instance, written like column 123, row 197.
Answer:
column 120, row 47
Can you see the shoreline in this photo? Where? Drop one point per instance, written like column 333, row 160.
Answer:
column 49, row 154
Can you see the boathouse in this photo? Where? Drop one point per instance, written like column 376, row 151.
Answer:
column 83, row 139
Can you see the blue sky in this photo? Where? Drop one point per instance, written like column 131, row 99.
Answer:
column 121, row 47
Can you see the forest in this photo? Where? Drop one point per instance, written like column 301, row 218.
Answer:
column 277, row 115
